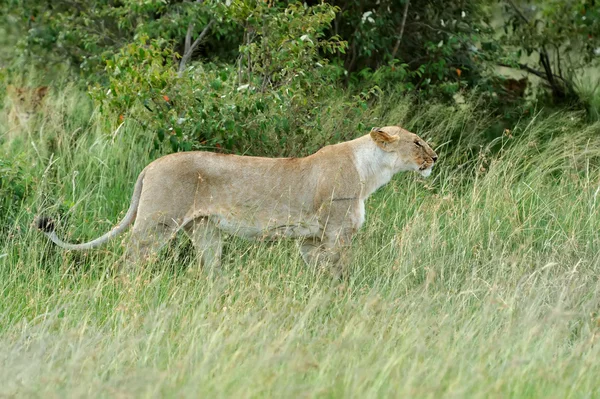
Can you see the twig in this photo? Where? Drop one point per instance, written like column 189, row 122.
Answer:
column 397, row 46
column 239, row 62
column 437, row 29
column 249, row 60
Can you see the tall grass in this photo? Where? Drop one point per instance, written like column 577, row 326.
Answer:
column 479, row 281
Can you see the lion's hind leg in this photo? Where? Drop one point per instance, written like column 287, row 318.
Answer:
column 208, row 242
column 147, row 238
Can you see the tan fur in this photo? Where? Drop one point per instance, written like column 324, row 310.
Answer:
column 25, row 103
column 319, row 198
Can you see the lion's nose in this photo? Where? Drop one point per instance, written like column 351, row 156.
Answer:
column 434, row 158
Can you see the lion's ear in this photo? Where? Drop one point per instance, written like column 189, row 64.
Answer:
column 381, row 138
column 41, row 91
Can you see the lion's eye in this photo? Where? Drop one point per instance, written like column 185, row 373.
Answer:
column 418, row 144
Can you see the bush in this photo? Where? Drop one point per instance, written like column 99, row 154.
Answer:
column 260, row 105
column 286, row 52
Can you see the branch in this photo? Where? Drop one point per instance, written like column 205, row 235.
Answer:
column 353, row 59
column 545, row 61
column 188, row 38
column 188, row 54
column 188, row 35
column 526, row 68
column 401, row 29
column 558, row 63
column 532, row 71
column 519, row 13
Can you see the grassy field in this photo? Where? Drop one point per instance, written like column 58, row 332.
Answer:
column 481, row 281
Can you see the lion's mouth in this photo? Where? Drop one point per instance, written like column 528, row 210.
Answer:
column 425, row 170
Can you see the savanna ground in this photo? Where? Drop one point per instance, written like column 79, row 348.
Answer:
column 481, row 281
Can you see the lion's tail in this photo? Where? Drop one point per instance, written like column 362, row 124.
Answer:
column 46, row 225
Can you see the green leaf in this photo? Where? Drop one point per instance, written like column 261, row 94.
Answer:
column 174, row 143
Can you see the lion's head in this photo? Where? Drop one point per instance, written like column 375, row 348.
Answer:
column 412, row 152
column 26, row 101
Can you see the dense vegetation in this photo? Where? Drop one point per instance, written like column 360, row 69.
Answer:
column 213, row 73
column 479, row 281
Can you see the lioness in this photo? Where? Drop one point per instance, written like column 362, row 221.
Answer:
column 25, row 103
column 319, row 198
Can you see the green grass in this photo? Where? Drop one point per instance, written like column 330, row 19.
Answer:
column 481, row 281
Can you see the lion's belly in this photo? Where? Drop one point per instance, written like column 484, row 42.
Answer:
column 270, row 229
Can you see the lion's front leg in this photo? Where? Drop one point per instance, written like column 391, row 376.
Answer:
column 338, row 245
column 331, row 253
column 340, row 221
column 312, row 251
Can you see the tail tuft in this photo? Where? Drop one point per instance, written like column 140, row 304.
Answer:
column 45, row 224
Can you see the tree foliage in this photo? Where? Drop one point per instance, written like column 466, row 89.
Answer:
column 241, row 74
column 564, row 37
column 85, row 33
column 427, row 43
column 277, row 79
column 438, row 40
